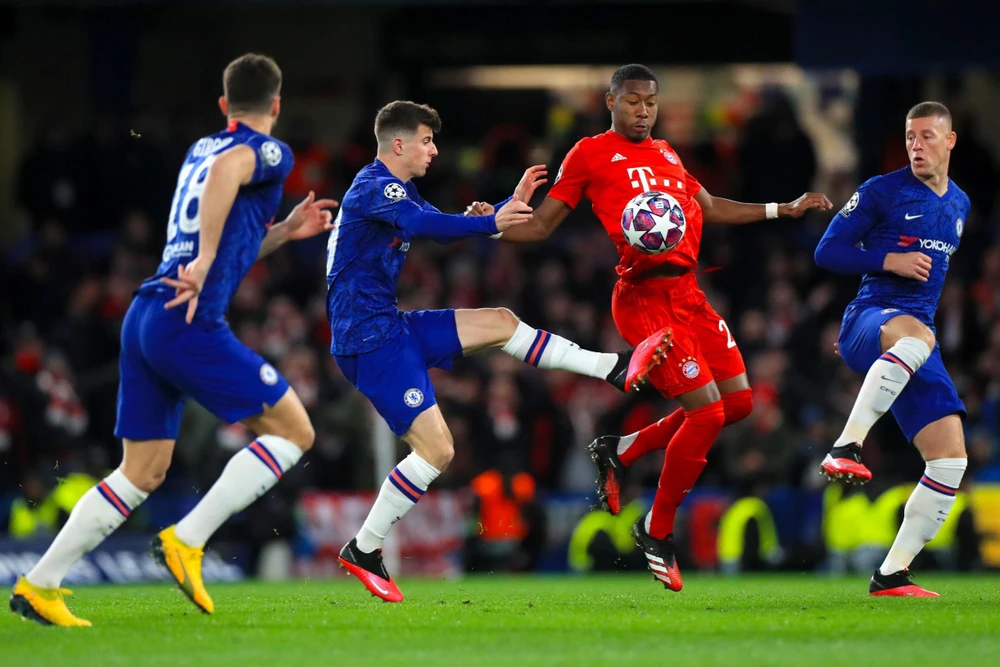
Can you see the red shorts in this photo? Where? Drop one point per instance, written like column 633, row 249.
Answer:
column 704, row 349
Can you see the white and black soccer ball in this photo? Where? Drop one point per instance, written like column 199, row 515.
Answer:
column 653, row 223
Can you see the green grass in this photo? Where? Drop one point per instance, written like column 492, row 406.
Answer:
column 626, row 620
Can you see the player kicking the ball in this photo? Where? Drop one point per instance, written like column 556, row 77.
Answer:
column 703, row 369
column 386, row 353
column 908, row 224
column 228, row 191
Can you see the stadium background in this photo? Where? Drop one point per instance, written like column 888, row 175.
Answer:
column 763, row 100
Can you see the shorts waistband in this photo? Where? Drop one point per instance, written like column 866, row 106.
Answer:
column 661, row 271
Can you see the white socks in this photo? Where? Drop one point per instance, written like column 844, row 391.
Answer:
column 400, row 492
column 101, row 510
column 98, row 513
column 545, row 350
column 885, row 379
column 927, row 508
column 248, row 475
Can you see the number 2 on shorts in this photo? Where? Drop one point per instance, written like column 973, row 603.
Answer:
column 729, row 336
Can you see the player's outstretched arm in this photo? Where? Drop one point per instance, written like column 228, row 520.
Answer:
column 544, row 220
column 306, row 220
column 230, row 170
column 721, row 211
column 534, row 177
column 444, row 228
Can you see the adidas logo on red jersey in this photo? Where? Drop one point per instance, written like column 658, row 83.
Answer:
column 617, row 157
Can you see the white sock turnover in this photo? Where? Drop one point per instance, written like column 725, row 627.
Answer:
column 248, row 475
column 547, row 350
column 885, row 380
column 96, row 515
column 928, row 507
column 400, row 491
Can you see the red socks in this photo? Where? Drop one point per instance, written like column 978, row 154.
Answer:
column 737, row 405
column 684, row 461
column 655, row 436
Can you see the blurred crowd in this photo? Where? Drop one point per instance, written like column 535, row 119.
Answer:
column 93, row 208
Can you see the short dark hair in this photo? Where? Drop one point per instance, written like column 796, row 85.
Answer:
column 632, row 72
column 250, row 83
column 929, row 110
column 404, row 116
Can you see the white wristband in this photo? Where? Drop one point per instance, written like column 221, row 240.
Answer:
column 771, row 210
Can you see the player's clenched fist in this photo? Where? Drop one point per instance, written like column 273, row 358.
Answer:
column 914, row 265
column 513, row 213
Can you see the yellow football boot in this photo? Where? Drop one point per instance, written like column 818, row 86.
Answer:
column 44, row 605
column 184, row 563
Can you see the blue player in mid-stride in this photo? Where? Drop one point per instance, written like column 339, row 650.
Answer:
column 386, row 353
column 908, row 224
column 220, row 223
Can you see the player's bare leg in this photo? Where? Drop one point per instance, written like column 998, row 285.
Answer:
column 732, row 386
column 942, row 444
column 433, row 449
column 37, row 595
column 614, row 454
column 284, row 433
column 906, row 345
column 483, row 328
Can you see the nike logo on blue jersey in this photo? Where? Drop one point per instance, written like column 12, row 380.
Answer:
column 913, row 217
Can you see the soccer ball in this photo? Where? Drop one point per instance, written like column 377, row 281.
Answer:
column 653, row 223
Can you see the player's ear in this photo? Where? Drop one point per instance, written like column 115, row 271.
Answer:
column 609, row 100
column 276, row 106
column 397, row 145
column 223, row 105
column 951, row 139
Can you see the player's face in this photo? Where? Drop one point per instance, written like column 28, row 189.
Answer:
column 928, row 143
column 419, row 150
column 633, row 109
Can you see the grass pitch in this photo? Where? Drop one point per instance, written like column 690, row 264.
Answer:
column 621, row 620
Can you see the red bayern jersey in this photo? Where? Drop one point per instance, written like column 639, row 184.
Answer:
column 610, row 170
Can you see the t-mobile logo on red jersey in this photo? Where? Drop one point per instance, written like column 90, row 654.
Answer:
column 927, row 244
column 645, row 179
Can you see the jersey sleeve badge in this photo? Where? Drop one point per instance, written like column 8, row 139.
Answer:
column 394, row 192
column 270, row 153
column 851, row 204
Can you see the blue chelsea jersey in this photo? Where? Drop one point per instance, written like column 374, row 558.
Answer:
column 365, row 256
column 252, row 213
column 898, row 213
